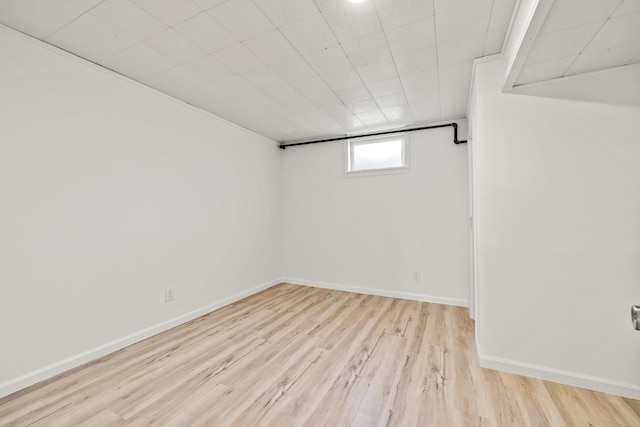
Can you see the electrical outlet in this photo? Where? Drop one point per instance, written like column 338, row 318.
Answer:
column 416, row 277
column 169, row 294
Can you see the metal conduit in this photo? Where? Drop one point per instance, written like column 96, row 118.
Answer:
column 342, row 138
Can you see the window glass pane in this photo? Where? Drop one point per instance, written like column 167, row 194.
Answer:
column 377, row 155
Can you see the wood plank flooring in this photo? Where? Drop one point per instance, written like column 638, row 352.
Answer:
column 301, row 356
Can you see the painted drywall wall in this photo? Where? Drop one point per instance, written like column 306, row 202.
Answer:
column 557, row 222
column 370, row 233
column 109, row 193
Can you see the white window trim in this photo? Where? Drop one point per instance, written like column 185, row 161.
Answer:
column 383, row 171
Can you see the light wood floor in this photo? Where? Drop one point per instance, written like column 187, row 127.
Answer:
column 299, row 356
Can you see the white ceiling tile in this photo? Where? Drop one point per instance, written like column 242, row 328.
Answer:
column 328, row 60
column 455, row 83
column 85, row 4
column 600, row 60
column 78, row 45
column 470, row 21
column 347, row 122
column 337, row 110
column 297, row 105
column 347, row 77
column 443, row 6
column 207, row 4
column 317, row 91
column 106, row 39
column 272, row 47
column 209, row 68
column 354, row 94
column 367, row 50
column 363, row 106
column 351, row 22
column 239, row 58
column 426, row 111
column 248, row 116
column 627, row 7
column 501, row 13
column 304, row 81
column 38, row 18
column 393, row 100
column 240, row 88
column 399, row 114
column 175, row 81
column 560, row 44
column 310, row 34
column 417, row 62
column 546, row 70
column 295, row 71
column 320, row 121
column 211, row 97
column 385, row 87
column 128, row 18
column 396, row 13
column 494, row 40
column 170, row 12
column 270, row 83
column 206, row 33
column 328, row 4
column 138, row 62
column 377, row 71
column 412, row 37
column 566, row 14
column 460, row 51
column 174, row 46
column 241, row 18
column 421, row 86
column 282, row 12
column 618, row 31
column 372, row 118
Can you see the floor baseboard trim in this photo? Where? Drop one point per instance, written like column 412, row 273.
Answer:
column 631, row 391
column 62, row 366
column 379, row 292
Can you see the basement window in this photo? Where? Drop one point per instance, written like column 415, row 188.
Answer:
column 377, row 154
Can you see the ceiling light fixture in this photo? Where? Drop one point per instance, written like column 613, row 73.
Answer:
column 356, row 1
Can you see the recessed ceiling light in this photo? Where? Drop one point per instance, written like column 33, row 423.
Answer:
column 356, row 1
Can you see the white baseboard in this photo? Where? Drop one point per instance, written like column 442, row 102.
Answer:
column 631, row 391
column 379, row 292
column 61, row 366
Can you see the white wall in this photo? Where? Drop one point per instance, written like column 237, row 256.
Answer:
column 557, row 215
column 370, row 233
column 109, row 193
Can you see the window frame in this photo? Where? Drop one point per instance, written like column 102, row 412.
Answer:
column 349, row 143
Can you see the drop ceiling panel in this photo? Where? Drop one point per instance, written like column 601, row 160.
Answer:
column 291, row 69
column 368, row 49
column 138, row 61
column 598, row 60
column 617, row 31
column 38, row 18
column 627, row 7
column 581, row 36
column 283, row 12
column 242, row 18
column 562, row 43
column 170, row 12
column 547, row 70
column 174, row 46
column 397, row 13
column 206, row 33
column 310, row 34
